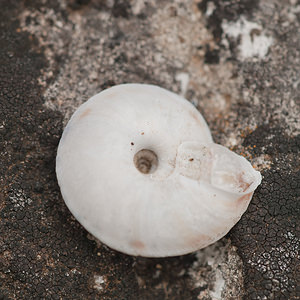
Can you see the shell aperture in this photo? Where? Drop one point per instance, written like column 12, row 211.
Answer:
column 138, row 168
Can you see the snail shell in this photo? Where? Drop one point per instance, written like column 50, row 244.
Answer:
column 138, row 168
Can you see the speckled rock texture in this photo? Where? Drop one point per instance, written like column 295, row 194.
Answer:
column 237, row 61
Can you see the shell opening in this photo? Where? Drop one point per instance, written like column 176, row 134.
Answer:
column 146, row 161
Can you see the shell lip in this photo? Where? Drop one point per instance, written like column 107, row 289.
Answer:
column 217, row 166
column 250, row 188
column 233, row 173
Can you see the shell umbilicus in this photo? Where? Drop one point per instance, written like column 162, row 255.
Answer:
column 138, row 168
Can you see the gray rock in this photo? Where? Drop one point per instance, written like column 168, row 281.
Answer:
column 238, row 62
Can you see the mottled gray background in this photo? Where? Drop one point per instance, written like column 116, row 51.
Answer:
column 237, row 61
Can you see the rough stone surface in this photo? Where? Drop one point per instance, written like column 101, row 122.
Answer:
column 238, row 62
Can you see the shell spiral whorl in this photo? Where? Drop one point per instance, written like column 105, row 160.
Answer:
column 145, row 161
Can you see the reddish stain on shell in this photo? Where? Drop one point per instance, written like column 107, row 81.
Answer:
column 195, row 116
column 137, row 244
column 242, row 183
column 85, row 113
column 245, row 198
column 198, row 240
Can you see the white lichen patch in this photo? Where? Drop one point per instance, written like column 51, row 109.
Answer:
column 19, row 199
column 253, row 41
column 262, row 162
column 218, row 272
column 276, row 263
column 138, row 6
column 183, row 78
column 75, row 271
column 99, row 282
column 210, row 8
column 291, row 115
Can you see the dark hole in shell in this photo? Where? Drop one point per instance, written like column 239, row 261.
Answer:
column 145, row 161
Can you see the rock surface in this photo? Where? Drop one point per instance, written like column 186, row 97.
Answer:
column 238, row 62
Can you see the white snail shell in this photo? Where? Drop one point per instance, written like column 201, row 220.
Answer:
column 138, row 168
